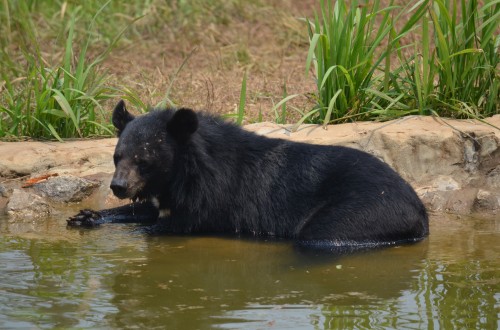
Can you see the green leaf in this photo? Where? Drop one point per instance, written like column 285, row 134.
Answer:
column 54, row 133
column 243, row 96
column 66, row 107
column 283, row 101
column 326, row 121
column 310, row 53
column 301, row 121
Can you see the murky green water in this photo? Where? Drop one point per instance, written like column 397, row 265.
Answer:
column 118, row 277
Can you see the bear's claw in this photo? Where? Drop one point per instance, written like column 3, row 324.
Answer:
column 85, row 218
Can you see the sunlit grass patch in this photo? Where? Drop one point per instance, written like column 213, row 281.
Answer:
column 452, row 69
column 53, row 101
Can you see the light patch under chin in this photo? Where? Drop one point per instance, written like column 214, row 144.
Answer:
column 155, row 202
column 164, row 213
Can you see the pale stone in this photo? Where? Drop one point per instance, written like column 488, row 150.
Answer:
column 493, row 178
column 460, row 201
column 23, row 204
column 487, row 201
column 445, row 183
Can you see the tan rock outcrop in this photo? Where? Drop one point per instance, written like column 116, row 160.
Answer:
column 453, row 164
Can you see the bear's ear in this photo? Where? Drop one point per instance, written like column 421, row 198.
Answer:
column 121, row 117
column 183, row 124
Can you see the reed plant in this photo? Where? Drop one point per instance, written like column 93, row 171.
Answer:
column 343, row 40
column 363, row 70
column 457, row 73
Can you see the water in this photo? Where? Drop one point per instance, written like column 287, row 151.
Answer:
column 119, row 277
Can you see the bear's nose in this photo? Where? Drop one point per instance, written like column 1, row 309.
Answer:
column 119, row 188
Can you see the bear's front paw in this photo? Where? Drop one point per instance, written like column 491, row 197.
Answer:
column 85, row 218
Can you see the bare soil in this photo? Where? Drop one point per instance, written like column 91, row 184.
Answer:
column 266, row 39
column 269, row 42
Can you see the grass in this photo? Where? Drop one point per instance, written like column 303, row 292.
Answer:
column 365, row 66
column 54, row 102
column 46, row 94
column 239, row 115
column 453, row 70
column 342, row 44
column 466, row 57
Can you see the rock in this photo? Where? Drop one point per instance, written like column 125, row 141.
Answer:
column 23, row 204
column 436, row 196
column 493, row 178
column 488, row 144
column 3, row 191
column 66, row 188
column 433, row 200
column 3, row 205
column 460, row 201
column 471, row 155
column 486, row 201
column 445, row 183
column 73, row 157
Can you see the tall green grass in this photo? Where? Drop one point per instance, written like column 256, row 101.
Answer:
column 343, row 41
column 363, row 70
column 54, row 101
column 52, row 85
column 466, row 57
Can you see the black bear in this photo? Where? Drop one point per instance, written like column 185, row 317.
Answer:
column 199, row 174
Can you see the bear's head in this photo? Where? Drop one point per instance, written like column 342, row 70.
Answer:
column 146, row 148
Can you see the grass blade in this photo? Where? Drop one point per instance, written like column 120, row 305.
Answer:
column 241, row 105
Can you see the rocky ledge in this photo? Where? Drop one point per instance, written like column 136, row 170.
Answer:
column 454, row 165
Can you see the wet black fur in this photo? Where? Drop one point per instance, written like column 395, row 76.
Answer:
column 218, row 178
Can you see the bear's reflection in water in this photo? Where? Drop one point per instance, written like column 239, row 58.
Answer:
column 187, row 281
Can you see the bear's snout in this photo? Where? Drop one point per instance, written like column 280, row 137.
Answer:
column 119, row 187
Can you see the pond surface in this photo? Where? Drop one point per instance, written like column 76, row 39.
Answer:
column 118, row 277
